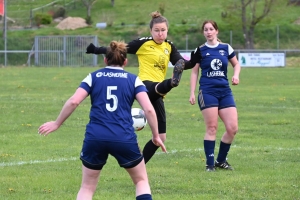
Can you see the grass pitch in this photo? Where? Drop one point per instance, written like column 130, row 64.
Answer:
column 265, row 153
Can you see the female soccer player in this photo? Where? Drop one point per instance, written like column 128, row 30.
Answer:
column 154, row 54
column 215, row 97
column 109, row 131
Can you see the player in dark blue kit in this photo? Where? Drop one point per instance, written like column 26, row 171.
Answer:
column 110, row 132
column 215, row 97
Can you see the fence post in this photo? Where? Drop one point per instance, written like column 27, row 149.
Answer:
column 186, row 42
column 277, row 36
column 65, row 50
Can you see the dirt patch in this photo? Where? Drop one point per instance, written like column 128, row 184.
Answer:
column 72, row 23
column 297, row 21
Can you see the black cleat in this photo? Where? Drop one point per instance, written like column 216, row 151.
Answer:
column 210, row 168
column 223, row 165
column 177, row 72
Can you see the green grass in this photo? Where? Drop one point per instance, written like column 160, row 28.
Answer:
column 136, row 11
column 135, row 14
column 265, row 153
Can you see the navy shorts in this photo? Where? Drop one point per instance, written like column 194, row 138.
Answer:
column 94, row 154
column 220, row 101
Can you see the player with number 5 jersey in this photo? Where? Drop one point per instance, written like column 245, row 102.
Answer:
column 112, row 91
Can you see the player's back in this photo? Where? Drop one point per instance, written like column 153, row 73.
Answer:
column 112, row 93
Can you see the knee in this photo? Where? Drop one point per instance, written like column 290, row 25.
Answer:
column 232, row 130
column 211, row 130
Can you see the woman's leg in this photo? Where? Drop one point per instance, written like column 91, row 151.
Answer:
column 210, row 116
column 150, row 148
column 139, row 177
column 230, row 118
column 89, row 183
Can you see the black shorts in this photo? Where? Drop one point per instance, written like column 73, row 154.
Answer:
column 158, row 104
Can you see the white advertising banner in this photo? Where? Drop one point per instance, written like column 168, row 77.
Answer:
column 262, row 59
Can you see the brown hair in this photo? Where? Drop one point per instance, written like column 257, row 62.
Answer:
column 213, row 23
column 157, row 18
column 116, row 53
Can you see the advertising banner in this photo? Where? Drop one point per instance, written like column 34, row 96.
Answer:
column 262, row 59
column 2, row 7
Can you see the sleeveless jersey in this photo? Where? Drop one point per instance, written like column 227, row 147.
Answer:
column 112, row 92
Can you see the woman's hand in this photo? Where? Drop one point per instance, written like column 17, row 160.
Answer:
column 158, row 142
column 47, row 128
column 192, row 99
column 235, row 80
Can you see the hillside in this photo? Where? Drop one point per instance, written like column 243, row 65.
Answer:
column 129, row 19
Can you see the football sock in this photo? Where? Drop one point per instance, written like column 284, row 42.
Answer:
column 149, row 150
column 164, row 87
column 223, row 151
column 144, row 197
column 209, row 147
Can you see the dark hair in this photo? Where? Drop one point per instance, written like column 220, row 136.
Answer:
column 213, row 23
column 116, row 53
column 157, row 18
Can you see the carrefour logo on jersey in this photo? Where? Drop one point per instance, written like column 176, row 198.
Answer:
column 111, row 74
column 215, row 64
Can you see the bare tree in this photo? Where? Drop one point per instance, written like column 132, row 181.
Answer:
column 88, row 4
column 246, row 12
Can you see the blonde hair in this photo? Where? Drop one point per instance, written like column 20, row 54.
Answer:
column 116, row 53
column 157, row 18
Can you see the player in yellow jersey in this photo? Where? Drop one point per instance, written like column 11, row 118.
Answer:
column 154, row 54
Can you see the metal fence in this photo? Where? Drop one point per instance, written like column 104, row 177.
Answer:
column 53, row 51
column 78, row 58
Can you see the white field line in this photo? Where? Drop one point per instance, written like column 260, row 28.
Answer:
column 31, row 162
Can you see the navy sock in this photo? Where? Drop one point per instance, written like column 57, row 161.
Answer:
column 144, row 197
column 149, row 150
column 223, row 151
column 209, row 148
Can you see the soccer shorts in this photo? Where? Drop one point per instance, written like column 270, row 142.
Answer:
column 94, row 154
column 221, row 101
column 158, row 104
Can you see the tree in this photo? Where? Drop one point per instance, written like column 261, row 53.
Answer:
column 88, row 4
column 249, row 13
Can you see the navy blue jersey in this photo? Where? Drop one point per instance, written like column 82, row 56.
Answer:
column 213, row 66
column 112, row 92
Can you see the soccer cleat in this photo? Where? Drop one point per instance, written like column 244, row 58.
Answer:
column 223, row 165
column 177, row 72
column 210, row 168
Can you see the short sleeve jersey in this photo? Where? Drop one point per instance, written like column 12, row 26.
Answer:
column 213, row 64
column 112, row 92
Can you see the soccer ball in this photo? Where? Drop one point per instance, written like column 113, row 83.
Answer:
column 139, row 119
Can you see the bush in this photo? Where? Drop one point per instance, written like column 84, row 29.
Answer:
column 60, row 12
column 42, row 18
column 89, row 20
